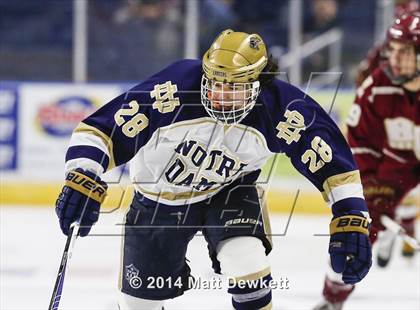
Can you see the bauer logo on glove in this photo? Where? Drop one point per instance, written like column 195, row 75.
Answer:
column 86, row 186
column 350, row 223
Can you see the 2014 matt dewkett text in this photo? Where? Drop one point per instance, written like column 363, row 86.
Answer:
column 282, row 283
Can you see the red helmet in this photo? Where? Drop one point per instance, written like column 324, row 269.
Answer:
column 406, row 29
column 404, row 7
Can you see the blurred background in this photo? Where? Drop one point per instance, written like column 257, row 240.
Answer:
column 120, row 41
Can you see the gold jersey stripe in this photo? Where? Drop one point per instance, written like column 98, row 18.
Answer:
column 340, row 179
column 325, row 196
column 350, row 223
column 85, row 128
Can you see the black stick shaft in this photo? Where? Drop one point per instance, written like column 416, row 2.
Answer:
column 59, row 282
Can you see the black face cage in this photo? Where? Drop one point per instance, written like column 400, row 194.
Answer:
column 229, row 103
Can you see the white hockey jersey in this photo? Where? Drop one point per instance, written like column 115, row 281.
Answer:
column 179, row 155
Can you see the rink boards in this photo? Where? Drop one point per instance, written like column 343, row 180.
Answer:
column 279, row 200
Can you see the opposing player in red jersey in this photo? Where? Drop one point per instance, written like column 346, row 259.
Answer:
column 407, row 211
column 384, row 134
column 375, row 54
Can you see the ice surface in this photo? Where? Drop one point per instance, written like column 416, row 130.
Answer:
column 32, row 244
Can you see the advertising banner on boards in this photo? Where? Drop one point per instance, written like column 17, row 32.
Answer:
column 36, row 121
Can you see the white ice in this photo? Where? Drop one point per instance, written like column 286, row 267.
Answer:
column 32, row 244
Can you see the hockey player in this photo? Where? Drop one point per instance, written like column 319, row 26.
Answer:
column 374, row 56
column 196, row 135
column 384, row 135
column 406, row 212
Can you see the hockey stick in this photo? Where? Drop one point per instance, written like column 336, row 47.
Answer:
column 59, row 282
column 398, row 230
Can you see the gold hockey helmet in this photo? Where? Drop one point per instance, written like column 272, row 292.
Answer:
column 232, row 65
column 235, row 57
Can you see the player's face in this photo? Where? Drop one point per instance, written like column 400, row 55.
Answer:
column 402, row 58
column 227, row 96
column 228, row 102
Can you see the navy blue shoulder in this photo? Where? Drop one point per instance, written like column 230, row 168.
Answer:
column 171, row 95
column 270, row 109
column 186, row 74
column 274, row 99
column 285, row 94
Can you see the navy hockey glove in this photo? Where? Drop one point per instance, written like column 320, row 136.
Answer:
column 80, row 200
column 350, row 248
